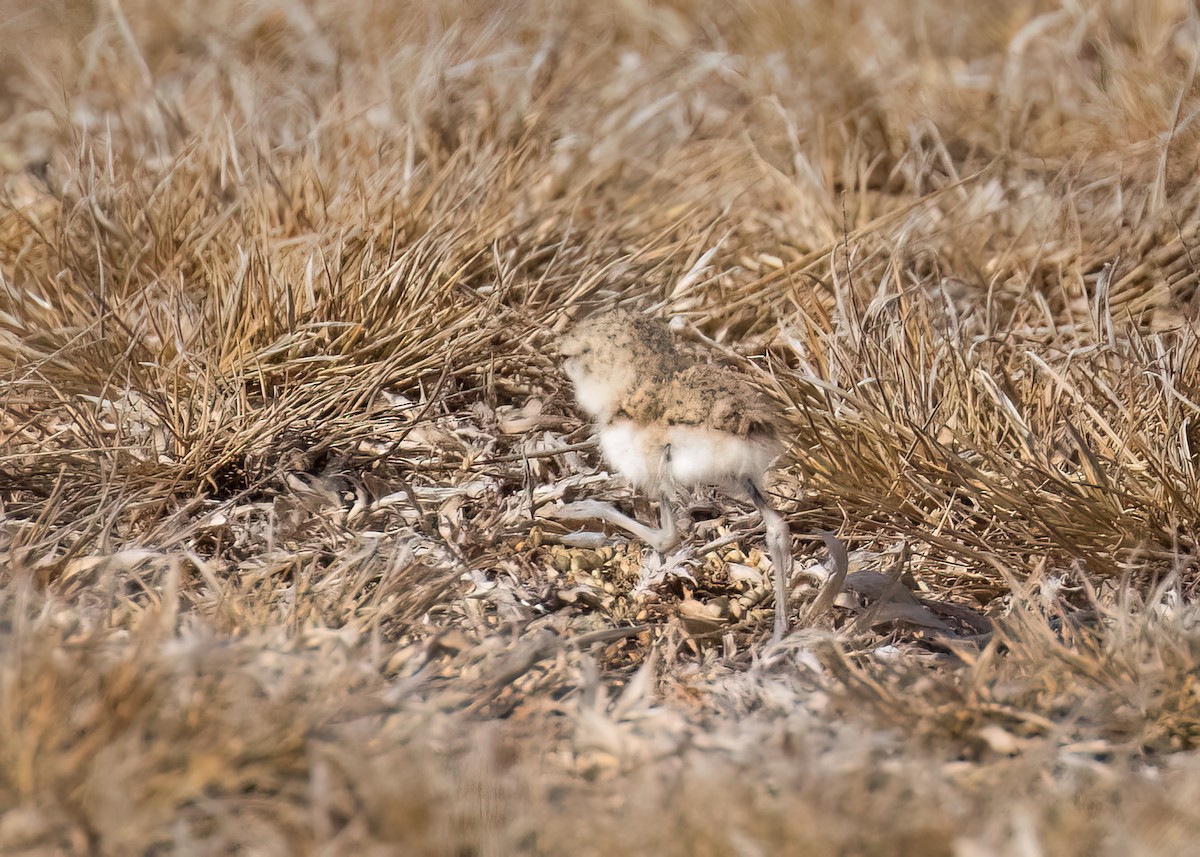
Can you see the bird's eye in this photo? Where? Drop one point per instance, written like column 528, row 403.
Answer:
column 585, row 350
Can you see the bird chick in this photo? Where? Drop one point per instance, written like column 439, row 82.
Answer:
column 613, row 357
column 666, row 422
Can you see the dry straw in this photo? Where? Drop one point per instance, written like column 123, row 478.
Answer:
column 278, row 286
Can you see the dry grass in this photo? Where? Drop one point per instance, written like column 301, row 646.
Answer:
column 278, row 286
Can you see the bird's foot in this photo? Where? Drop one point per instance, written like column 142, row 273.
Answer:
column 657, row 566
column 661, row 539
column 580, row 510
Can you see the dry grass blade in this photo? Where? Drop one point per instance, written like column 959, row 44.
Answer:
column 836, row 580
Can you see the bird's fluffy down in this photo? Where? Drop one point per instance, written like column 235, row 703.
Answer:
column 663, row 419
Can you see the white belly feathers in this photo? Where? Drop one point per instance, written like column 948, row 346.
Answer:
column 635, row 452
column 702, row 456
column 655, row 460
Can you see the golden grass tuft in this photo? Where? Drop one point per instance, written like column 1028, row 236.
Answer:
column 279, row 286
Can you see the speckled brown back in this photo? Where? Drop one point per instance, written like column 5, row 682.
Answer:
column 719, row 399
column 623, row 336
column 653, row 382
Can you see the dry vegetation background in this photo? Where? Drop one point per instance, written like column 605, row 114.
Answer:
column 279, row 285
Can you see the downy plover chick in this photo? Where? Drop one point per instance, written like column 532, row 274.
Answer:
column 666, row 422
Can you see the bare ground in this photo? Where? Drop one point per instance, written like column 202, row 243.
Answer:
column 279, row 287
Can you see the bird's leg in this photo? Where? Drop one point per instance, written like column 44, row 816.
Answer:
column 668, row 534
column 779, row 544
column 662, row 539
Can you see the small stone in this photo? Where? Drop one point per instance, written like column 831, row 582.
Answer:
column 560, row 559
